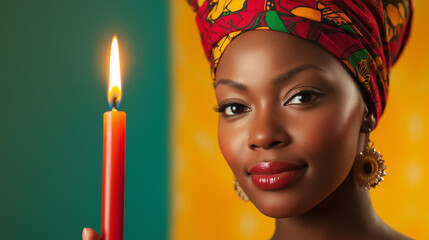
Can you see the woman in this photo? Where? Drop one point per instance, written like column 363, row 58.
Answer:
column 298, row 99
column 290, row 127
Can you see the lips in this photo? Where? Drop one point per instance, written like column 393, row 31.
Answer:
column 275, row 174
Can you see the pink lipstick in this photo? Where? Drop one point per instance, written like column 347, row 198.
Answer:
column 275, row 174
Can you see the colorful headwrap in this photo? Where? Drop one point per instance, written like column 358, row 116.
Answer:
column 366, row 35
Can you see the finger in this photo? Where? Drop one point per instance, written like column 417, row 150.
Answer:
column 90, row 234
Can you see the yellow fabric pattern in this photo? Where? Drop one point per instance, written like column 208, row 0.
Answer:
column 307, row 12
column 221, row 46
column 224, row 6
column 396, row 16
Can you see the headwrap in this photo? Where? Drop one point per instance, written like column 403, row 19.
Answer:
column 367, row 36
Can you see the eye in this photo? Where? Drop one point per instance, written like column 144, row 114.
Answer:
column 303, row 97
column 231, row 109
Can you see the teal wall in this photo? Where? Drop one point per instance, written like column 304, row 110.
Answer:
column 53, row 79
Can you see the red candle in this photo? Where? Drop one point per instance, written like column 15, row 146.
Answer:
column 112, row 224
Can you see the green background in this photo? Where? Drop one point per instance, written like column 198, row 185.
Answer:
column 53, row 79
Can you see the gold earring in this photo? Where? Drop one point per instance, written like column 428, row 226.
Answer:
column 369, row 166
column 241, row 194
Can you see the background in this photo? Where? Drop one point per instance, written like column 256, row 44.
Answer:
column 211, row 208
column 54, row 59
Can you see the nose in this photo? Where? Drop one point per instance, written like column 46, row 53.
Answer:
column 267, row 132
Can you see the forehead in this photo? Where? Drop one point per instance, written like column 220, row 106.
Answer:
column 265, row 54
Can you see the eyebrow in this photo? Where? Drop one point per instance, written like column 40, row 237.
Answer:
column 231, row 84
column 289, row 74
column 277, row 80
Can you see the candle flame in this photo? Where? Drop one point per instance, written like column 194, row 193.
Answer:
column 115, row 94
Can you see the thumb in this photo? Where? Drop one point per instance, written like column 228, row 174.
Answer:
column 90, row 234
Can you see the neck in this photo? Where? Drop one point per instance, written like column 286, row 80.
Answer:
column 346, row 212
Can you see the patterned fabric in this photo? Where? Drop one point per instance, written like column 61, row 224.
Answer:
column 367, row 36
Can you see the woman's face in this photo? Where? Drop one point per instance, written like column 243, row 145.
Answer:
column 290, row 120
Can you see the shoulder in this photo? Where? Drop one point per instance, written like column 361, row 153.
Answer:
column 391, row 233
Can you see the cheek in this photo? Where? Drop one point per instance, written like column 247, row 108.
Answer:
column 231, row 142
column 330, row 140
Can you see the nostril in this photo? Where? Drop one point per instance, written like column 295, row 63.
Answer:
column 273, row 144
column 269, row 146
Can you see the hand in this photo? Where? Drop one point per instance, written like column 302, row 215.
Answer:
column 90, row 234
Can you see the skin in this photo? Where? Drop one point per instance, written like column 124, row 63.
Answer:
column 314, row 116
column 90, row 234
column 283, row 98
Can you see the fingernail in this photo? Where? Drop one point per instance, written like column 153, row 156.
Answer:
column 84, row 233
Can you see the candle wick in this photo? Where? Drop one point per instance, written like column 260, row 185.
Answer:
column 115, row 100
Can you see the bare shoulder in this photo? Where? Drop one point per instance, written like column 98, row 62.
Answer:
column 387, row 235
column 384, row 231
column 390, row 233
column 399, row 236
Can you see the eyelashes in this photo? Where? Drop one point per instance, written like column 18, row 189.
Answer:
column 301, row 98
column 231, row 109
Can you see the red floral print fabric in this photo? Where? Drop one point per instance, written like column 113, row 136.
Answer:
column 367, row 36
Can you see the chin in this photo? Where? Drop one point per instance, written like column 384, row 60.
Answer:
column 278, row 204
column 279, row 212
column 292, row 201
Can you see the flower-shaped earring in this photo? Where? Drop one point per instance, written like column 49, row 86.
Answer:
column 369, row 166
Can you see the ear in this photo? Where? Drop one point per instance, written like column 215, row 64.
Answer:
column 368, row 121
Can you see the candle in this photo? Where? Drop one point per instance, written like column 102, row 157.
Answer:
column 112, row 224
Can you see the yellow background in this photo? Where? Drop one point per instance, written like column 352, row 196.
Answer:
column 204, row 204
